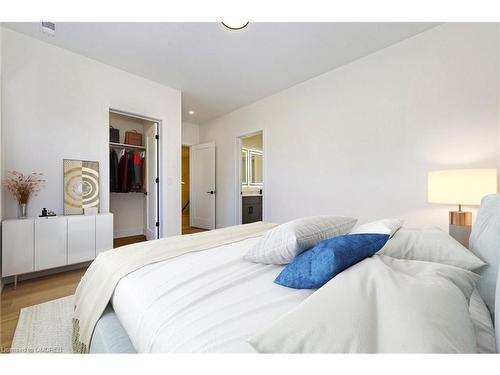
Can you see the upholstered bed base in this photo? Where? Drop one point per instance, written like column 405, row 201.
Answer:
column 110, row 336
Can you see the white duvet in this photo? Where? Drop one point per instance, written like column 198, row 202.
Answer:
column 210, row 301
column 380, row 305
column 214, row 301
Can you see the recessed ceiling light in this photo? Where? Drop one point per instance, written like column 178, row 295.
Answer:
column 191, row 112
column 235, row 25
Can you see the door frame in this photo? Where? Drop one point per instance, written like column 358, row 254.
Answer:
column 237, row 186
column 159, row 201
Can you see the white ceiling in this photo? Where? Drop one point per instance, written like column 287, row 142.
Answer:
column 219, row 70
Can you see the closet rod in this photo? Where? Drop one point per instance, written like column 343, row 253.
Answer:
column 124, row 145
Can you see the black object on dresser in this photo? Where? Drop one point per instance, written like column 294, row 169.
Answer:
column 251, row 209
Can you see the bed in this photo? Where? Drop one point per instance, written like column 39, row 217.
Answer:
column 214, row 300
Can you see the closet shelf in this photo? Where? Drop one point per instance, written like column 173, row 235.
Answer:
column 124, row 145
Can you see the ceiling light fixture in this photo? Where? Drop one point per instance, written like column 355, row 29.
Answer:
column 235, row 25
column 191, row 112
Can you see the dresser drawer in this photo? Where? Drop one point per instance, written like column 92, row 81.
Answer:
column 252, row 199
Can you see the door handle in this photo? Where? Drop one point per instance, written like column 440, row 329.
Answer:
column 211, row 192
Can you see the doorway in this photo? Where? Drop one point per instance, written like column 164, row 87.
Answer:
column 133, row 178
column 202, row 192
column 251, row 177
column 187, row 228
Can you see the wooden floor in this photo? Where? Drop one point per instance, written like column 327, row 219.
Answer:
column 117, row 242
column 186, row 229
column 32, row 292
column 46, row 288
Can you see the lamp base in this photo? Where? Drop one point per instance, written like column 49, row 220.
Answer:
column 461, row 226
column 461, row 218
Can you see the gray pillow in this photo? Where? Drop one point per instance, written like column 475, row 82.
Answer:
column 430, row 245
column 283, row 243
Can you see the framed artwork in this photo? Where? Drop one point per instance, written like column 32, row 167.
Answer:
column 81, row 186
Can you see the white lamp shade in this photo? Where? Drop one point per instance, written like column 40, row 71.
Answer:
column 461, row 186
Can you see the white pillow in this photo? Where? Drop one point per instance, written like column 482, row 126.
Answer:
column 380, row 305
column 384, row 226
column 430, row 245
column 283, row 243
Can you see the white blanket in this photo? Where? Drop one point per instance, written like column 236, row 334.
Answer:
column 210, row 301
column 98, row 284
column 214, row 301
column 380, row 305
column 483, row 325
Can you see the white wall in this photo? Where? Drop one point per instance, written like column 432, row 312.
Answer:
column 190, row 133
column 359, row 140
column 128, row 214
column 56, row 106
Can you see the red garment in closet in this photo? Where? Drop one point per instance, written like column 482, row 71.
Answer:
column 136, row 172
column 144, row 185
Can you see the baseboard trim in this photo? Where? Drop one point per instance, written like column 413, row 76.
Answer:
column 129, row 233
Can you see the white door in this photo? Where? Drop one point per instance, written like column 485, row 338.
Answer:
column 152, row 228
column 202, row 186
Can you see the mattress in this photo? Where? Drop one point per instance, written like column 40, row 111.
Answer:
column 212, row 301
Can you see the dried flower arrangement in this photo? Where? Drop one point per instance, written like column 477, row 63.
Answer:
column 23, row 186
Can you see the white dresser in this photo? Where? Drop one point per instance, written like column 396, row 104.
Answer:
column 36, row 244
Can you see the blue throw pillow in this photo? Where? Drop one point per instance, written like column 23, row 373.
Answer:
column 316, row 266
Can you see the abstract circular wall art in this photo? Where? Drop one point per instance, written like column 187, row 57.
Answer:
column 81, row 186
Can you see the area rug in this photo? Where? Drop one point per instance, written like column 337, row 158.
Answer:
column 45, row 328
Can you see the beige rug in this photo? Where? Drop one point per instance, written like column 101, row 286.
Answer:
column 45, row 328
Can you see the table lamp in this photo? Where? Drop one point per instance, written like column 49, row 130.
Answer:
column 461, row 187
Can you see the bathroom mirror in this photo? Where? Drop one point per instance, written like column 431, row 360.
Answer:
column 255, row 167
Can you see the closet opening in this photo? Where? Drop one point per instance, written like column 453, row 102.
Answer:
column 133, row 178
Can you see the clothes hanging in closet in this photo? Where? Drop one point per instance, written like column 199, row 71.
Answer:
column 144, row 186
column 113, row 171
column 129, row 173
column 123, row 174
column 135, row 171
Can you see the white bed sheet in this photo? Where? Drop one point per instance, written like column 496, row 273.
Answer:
column 209, row 301
column 213, row 301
